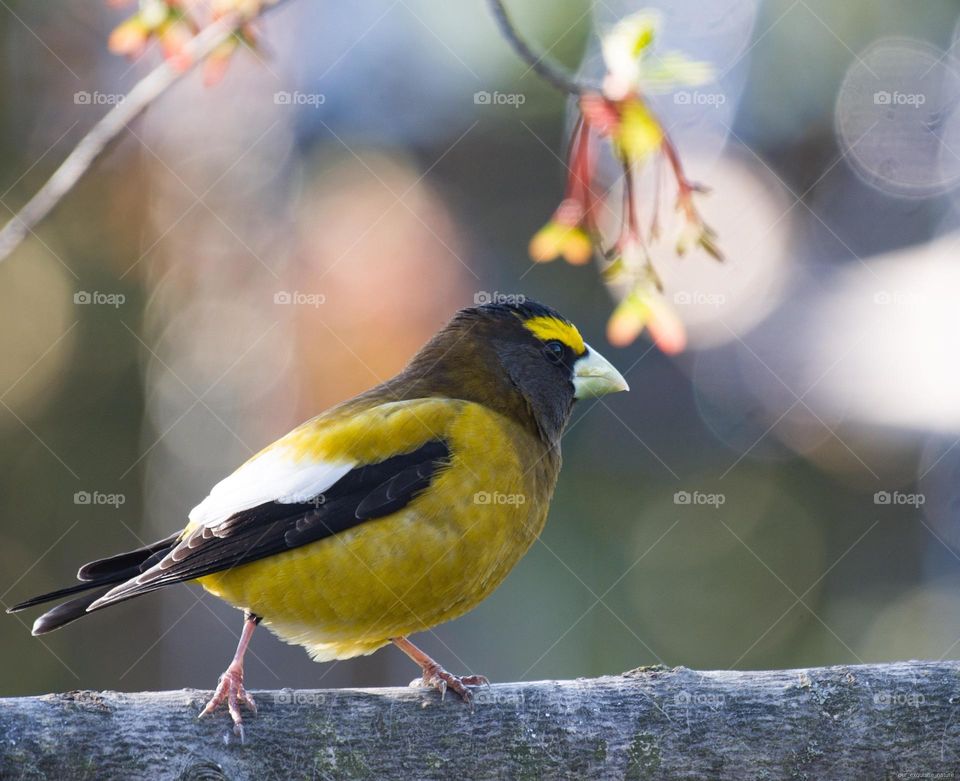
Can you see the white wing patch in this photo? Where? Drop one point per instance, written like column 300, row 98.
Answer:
column 271, row 476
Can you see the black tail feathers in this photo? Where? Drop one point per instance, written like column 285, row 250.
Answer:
column 64, row 613
column 97, row 577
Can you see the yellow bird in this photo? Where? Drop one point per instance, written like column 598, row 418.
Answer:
column 388, row 514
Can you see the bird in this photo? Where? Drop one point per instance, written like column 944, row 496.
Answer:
column 389, row 513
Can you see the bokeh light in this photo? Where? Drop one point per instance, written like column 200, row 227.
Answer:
column 896, row 117
column 38, row 319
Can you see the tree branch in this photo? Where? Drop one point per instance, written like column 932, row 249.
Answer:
column 164, row 76
column 893, row 721
column 549, row 72
column 92, row 145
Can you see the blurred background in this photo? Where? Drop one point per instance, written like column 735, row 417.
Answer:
column 785, row 493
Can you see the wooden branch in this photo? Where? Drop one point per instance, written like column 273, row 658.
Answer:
column 866, row 722
column 111, row 125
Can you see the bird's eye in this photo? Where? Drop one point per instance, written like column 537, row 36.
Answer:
column 555, row 350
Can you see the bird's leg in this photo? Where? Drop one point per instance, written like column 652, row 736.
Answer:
column 435, row 676
column 230, row 685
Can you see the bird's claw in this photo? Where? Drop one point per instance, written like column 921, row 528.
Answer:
column 230, row 689
column 439, row 679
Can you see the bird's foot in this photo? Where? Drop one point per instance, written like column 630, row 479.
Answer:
column 230, row 689
column 435, row 677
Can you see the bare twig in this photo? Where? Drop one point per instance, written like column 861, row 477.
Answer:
column 537, row 62
column 92, row 145
column 164, row 76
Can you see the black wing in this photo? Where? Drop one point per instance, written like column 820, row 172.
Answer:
column 363, row 494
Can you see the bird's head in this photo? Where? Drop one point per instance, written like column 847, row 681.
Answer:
column 520, row 358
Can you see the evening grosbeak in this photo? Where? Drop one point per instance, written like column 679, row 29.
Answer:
column 388, row 514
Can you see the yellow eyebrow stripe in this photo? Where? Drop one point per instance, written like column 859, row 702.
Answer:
column 546, row 328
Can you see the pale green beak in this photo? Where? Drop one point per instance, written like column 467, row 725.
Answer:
column 594, row 375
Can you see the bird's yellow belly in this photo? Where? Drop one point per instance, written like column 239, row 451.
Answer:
column 428, row 563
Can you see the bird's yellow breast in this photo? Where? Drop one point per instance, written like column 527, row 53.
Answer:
column 429, row 562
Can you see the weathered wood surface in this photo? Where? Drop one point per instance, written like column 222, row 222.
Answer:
column 897, row 721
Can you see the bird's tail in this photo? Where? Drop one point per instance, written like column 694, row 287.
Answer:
column 97, row 578
column 65, row 612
